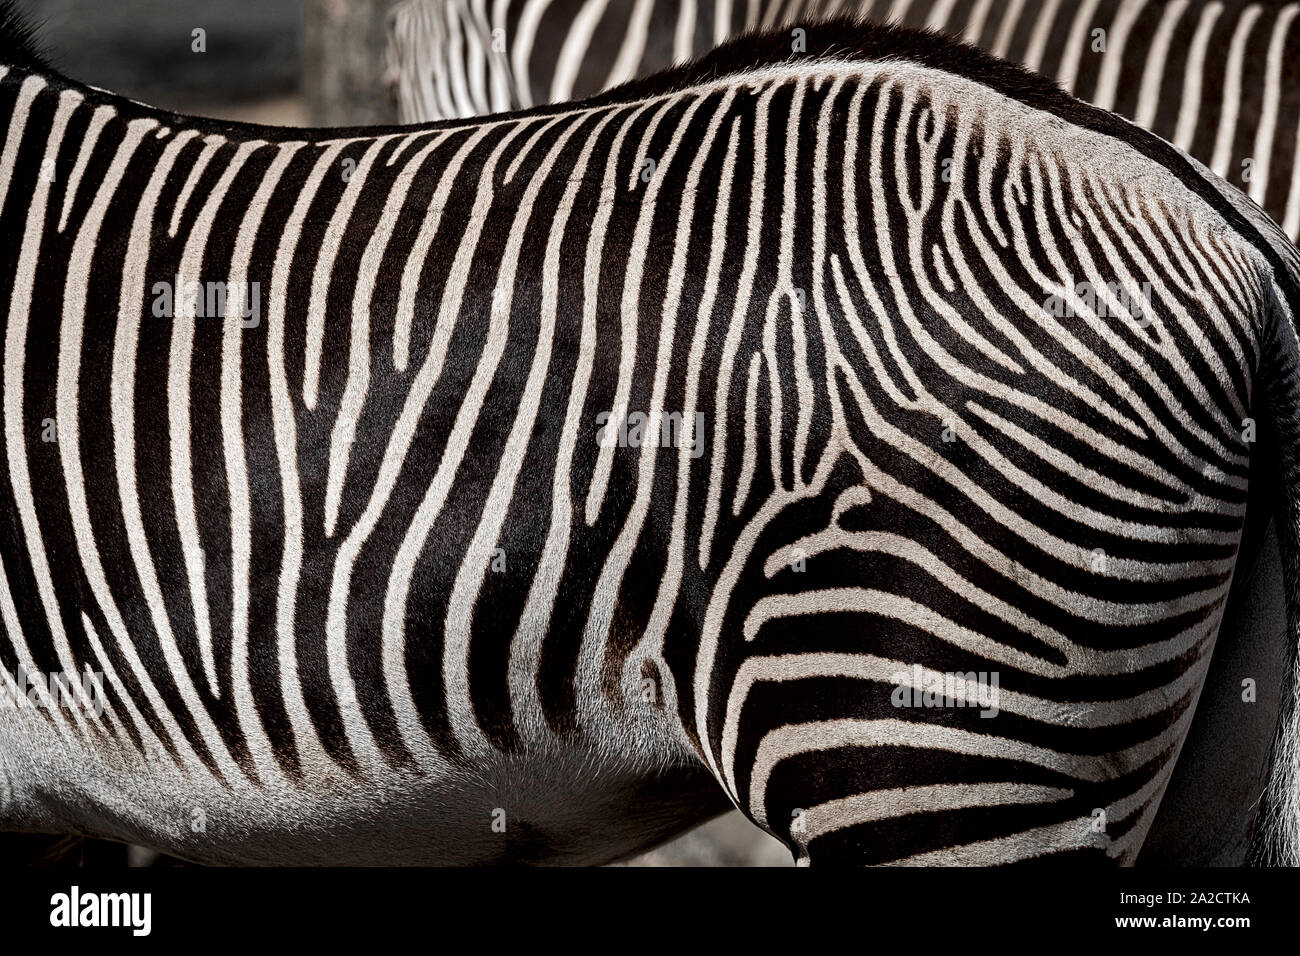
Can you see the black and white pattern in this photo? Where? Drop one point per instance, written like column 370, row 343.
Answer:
column 1215, row 79
column 956, row 378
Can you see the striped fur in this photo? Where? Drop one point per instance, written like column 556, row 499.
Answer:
column 1216, row 79
column 364, row 585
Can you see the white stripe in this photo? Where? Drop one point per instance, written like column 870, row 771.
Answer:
column 359, row 346
column 323, row 277
column 415, row 260
column 1190, row 106
column 469, row 577
column 749, row 456
column 876, row 805
column 939, row 15
column 525, row 647
column 1075, row 45
column 17, row 123
column 617, row 558
column 1042, row 32
column 628, row 316
column 975, row 23
column 15, row 349
column 180, row 362
column 1006, row 33
column 1153, row 75
column 358, row 382
column 1267, row 127
column 232, row 440
column 722, row 13
column 669, row 584
column 305, row 737
column 684, row 35
column 399, row 444
column 1231, row 101
column 633, row 47
column 1113, row 60
column 731, row 345
column 576, row 48
column 794, row 739
column 97, row 121
column 135, row 279
column 210, row 146
column 520, row 50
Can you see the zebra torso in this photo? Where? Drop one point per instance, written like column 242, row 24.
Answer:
column 277, row 530
column 1212, row 78
column 400, row 557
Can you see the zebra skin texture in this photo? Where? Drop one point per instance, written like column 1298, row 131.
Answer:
column 378, row 565
column 1215, row 79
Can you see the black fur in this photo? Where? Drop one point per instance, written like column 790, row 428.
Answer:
column 850, row 38
column 18, row 43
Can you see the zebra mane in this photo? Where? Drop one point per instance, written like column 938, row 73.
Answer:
column 18, row 44
column 851, row 38
column 840, row 38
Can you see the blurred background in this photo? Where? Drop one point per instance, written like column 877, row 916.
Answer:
column 285, row 63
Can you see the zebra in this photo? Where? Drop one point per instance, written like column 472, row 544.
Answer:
column 451, row 58
column 549, row 482
column 1151, row 61
column 1212, row 78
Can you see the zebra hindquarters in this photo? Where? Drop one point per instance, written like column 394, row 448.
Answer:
column 895, row 699
column 976, row 632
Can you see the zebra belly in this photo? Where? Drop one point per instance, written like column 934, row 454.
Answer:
column 521, row 809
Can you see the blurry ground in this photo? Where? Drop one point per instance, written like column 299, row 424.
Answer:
column 730, row 840
column 250, row 73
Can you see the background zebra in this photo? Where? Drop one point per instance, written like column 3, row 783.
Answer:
column 1215, row 79
column 402, row 588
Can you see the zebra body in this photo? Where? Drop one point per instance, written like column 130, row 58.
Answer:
column 389, row 574
column 1213, row 78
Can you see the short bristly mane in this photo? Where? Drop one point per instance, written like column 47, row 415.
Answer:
column 840, row 38
column 18, row 44
column 853, row 39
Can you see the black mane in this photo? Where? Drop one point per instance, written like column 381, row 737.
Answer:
column 18, row 45
column 842, row 38
column 850, row 38
column 846, row 38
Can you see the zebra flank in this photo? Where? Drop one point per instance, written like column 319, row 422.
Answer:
column 1212, row 78
column 861, row 437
